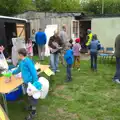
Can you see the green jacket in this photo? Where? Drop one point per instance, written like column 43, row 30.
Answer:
column 89, row 39
column 117, row 46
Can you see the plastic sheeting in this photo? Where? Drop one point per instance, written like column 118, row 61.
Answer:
column 3, row 62
column 49, row 32
column 17, row 44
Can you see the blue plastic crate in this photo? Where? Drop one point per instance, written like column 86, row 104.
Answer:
column 14, row 95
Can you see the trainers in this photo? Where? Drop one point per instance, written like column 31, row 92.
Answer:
column 28, row 108
column 30, row 116
column 117, row 81
column 53, row 73
column 68, row 80
column 58, row 71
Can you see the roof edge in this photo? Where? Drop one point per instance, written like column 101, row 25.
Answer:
column 14, row 18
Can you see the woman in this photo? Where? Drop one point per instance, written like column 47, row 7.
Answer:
column 35, row 51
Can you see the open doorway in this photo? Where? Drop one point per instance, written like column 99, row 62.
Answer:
column 10, row 32
column 83, row 26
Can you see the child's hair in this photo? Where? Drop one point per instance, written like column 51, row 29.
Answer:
column 29, row 40
column 71, row 41
column 22, row 51
column 94, row 37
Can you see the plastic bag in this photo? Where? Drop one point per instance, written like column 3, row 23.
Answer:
column 3, row 62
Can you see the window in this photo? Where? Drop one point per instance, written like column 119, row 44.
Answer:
column 75, row 29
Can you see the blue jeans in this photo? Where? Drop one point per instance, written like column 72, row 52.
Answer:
column 69, row 78
column 93, row 60
column 117, row 74
column 54, row 61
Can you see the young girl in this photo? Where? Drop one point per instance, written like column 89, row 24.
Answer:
column 29, row 48
column 76, row 53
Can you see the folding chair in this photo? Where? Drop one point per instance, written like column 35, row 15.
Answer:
column 110, row 52
column 102, row 55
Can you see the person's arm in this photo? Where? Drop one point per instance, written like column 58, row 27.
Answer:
column 80, row 48
column 16, row 71
column 60, row 42
column 60, row 35
column 32, row 70
column 88, row 40
column 36, row 37
column 50, row 44
column 45, row 38
column 28, row 45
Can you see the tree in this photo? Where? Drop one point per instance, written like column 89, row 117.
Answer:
column 43, row 5
column 95, row 6
column 11, row 7
column 58, row 5
column 65, row 5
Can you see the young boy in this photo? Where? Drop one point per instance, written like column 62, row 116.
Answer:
column 94, row 47
column 69, row 60
column 29, row 74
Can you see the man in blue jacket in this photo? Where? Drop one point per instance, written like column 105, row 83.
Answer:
column 41, row 40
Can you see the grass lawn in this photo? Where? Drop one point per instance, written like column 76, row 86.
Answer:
column 90, row 96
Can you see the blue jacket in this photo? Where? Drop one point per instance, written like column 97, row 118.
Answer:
column 27, row 68
column 69, row 57
column 40, row 38
column 94, row 46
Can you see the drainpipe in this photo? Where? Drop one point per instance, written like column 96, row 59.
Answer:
column 103, row 4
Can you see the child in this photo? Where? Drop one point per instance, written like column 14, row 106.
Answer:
column 29, row 48
column 76, row 52
column 94, row 47
column 69, row 60
column 29, row 75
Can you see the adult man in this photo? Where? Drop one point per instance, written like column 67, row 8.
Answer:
column 89, row 37
column 55, row 45
column 41, row 40
column 64, row 39
column 63, row 34
column 117, row 55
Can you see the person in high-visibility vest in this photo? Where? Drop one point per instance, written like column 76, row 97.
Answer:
column 89, row 37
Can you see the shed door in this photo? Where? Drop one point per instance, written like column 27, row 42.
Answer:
column 75, row 29
column 20, row 30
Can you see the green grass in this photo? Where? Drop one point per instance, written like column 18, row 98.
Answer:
column 90, row 96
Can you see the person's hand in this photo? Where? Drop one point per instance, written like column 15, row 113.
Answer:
column 8, row 80
column 87, row 53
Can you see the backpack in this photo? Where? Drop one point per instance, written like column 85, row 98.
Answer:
column 99, row 46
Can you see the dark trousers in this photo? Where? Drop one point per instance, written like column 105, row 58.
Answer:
column 31, row 101
column 93, row 60
column 117, row 74
column 69, row 78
